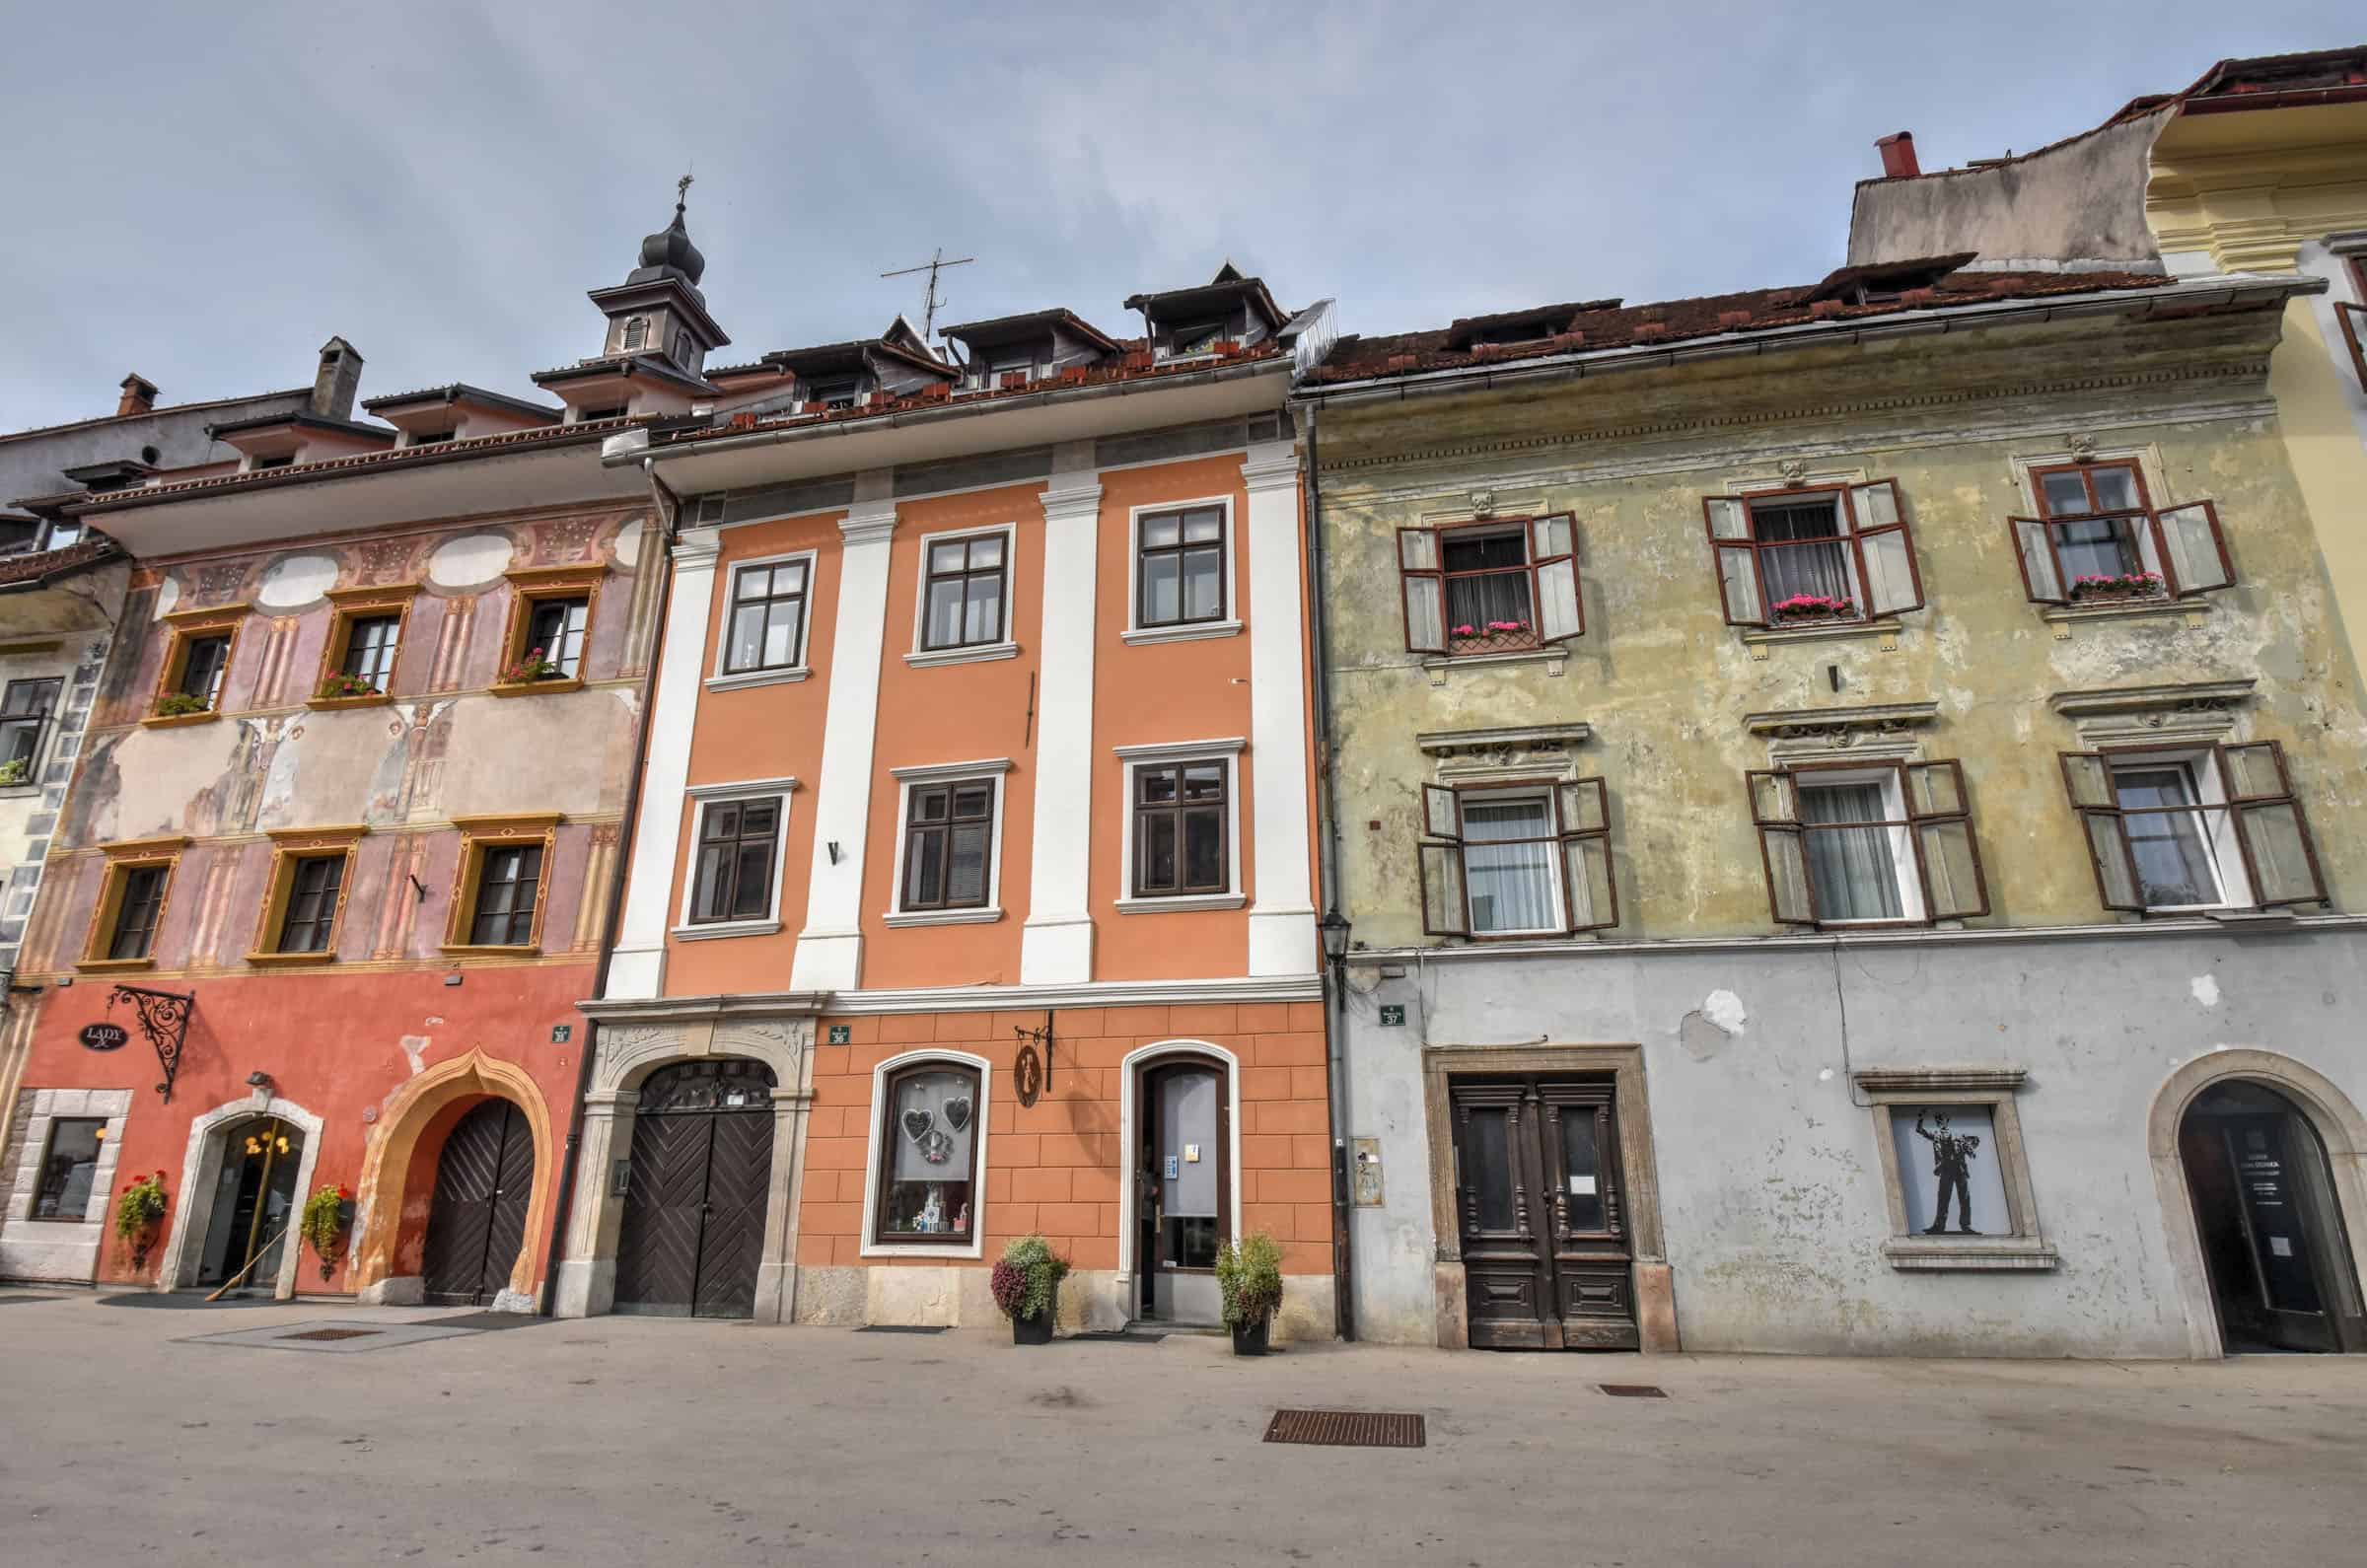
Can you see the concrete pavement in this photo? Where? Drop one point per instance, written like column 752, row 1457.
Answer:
column 628, row 1441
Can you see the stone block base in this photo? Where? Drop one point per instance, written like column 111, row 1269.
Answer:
column 398, row 1290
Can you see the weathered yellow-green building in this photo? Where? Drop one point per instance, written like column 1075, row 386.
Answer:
column 1846, row 797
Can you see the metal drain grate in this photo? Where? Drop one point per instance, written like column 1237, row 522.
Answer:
column 334, row 1333
column 1347, row 1429
column 1633, row 1391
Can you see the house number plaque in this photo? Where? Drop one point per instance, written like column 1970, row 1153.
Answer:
column 1393, row 1015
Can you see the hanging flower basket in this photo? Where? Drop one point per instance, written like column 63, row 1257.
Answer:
column 139, row 1212
column 1494, row 636
column 326, row 1222
column 2100, row 588
column 1812, row 608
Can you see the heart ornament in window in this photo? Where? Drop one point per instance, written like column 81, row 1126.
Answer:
column 956, row 1113
column 918, row 1125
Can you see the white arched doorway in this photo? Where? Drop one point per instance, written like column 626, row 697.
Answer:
column 201, row 1172
column 1174, row 1097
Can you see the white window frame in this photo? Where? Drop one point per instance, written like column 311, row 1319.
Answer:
column 721, row 678
column 1542, row 794
column 1136, row 632
column 975, row 1245
column 702, row 796
column 1904, row 872
column 1133, row 757
column 998, row 769
column 1007, row 647
column 2217, row 827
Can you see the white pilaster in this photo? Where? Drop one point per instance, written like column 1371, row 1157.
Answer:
column 639, row 968
column 829, row 950
column 1283, row 919
column 1056, row 945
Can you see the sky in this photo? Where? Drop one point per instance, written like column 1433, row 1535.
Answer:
column 204, row 195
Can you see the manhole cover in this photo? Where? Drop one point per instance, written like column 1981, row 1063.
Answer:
column 1633, row 1391
column 1346, row 1429
column 334, row 1333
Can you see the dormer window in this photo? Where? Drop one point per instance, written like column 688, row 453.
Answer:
column 614, row 411
column 636, row 333
column 1199, row 339
column 434, row 437
column 1023, row 366
column 283, row 460
column 836, row 392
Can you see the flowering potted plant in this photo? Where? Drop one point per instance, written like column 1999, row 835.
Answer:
column 174, row 704
column 342, row 684
column 138, row 1211
column 1027, row 1288
column 16, row 770
column 2128, row 585
column 326, row 1218
column 1815, row 607
column 1249, row 1277
column 1494, row 636
column 534, row 666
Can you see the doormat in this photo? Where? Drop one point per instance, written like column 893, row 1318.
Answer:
column 1347, row 1429
column 11, row 1301
column 489, row 1320
column 1116, row 1336
column 333, row 1333
column 1633, row 1391
column 901, row 1329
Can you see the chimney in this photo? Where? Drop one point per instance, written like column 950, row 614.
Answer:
column 1899, row 156
column 139, row 397
column 339, row 379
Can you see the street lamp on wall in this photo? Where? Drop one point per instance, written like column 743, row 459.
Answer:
column 1334, row 928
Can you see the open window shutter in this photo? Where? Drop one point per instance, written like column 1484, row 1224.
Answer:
column 2197, row 550
column 1729, row 522
column 1560, row 614
column 1775, row 810
column 2090, row 782
column 1445, row 910
column 1954, row 887
column 1886, row 550
column 2277, row 848
column 2041, row 578
column 1593, row 903
column 1440, row 816
column 1425, row 588
column 2353, row 319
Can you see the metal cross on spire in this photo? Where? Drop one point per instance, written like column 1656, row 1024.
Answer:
column 682, row 190
column 932, row 302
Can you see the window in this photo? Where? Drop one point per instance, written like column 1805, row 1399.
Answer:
column 506, row 897
column 312, row 869
column 962, row 596
column 503, row 879
column 636, row 333
column 370, row 650
column 1516, row 860
column 556, row 630
column 949, row 832
column 2098, row 540
column 133, row 885
column 365, row 637
column 1021, row 366
column 738, row 847
column 285, row 460
column 2205, row 827
column 311, row 905
column 1490, row 587
column 1199, row 339
column 1179, row 567
column 767, row 625
column 834, row 392
column 191, row 681
column 60, row 534
column 1953, row 1167
column 434, row 437
column 2351, row 316
column 550, row 621
column 201, row 674
column 1801, row 558
column 23, row 720
column 68, row 1167
column 1182, row 821
column 1848, row 843
column 142, row 901
column 929, row 1142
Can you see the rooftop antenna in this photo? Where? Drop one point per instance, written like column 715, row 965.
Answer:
column 932, row 303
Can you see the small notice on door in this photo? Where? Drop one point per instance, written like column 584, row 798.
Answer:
column 1582, row 1186
column 2281, row 1245
column 1191, row 1154
column 1173, row 1169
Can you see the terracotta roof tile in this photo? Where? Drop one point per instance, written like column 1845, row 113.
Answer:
column 42, row 565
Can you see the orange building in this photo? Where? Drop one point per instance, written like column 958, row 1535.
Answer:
column 986, row 908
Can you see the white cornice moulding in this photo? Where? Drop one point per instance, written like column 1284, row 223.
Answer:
column 1080, row 500
column 2192, row 697
column 753, row 786
column 725, row 928
column 1181, row 751
column 758, row 678
column 942, row 772
column 868, row 523
column 1271, row 464
column 695, row 547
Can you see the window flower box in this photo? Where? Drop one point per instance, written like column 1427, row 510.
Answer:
column 1496, row 636
column 341, row 684
column 1811, row 608
column 16, row 770
column 181, row 705
column 2099, row 588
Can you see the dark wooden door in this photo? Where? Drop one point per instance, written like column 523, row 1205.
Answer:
column 476, row 1221
column 2272, row 1241
column 1545, row 1254
column 694, row 1227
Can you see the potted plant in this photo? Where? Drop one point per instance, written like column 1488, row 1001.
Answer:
column 534, row 666
column 1027, row 1288
column 175, row 704
column 1815, row 607
column 342, row 684
column 326, row 1219
column 1249, row 1276
column 138, row 1211
column 1494, row 636
column 16, row 770
column 2128, row 585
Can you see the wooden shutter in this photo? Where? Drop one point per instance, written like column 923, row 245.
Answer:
column 2192, row 549
column 1553, row 566
column 1947, row 854
column 1446, row 907
column 2350, row 317
column 2278, row 852
column 1782, row 850
column 1886, row 550
column 1425, row 590
column 2089, row 778
column 2042, row 573
column 1737, row 558
column 1585, row 833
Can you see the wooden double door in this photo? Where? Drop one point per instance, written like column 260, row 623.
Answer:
column 476, row 1222
column 1548, row 1263
column 693, row 1228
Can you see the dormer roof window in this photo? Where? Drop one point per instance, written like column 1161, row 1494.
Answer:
column 1034, row 344
column 1229, row 308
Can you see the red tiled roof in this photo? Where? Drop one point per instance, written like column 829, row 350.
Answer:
column 1359, row 358
column 40, row 566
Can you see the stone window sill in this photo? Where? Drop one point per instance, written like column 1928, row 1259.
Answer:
column 488, row 949
column 173, row 721
column 1761, row 639
column 1191, row 632
column 943, row 917
column 1181, row 902
column 931, row 657
column 533, row 688
column 289, row 961
column 12, row 792
column 1553, row 659
column 367, row 699
column 1969, row 1254
column 113, row 966
column 756, row 677
column 714, row 930
column 2065, row 618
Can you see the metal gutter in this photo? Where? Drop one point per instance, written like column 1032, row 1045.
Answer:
column 2250, row 289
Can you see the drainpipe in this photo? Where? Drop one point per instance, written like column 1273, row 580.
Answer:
column 1335, row 1019
column 668, row 509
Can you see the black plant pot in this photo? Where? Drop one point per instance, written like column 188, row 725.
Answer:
column 1036, row 1330
column 1248, row 1339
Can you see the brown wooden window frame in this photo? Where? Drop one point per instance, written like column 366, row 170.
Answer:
column 2037, row 547
column 30, row 722
column 1550, row 543
column 1006, row 541
column 1176, row 811
column 185, row 631
column 2104, row 821
column 123, row 860
column 531, row 587
column 481, row 837
column 1866, row 512
column 349, row 607
column 290, row 848
column 802, row 597
column 704, row 836
column 2350, row 317
column 1578, row 811
column 1939, row 812
column 1181, row 552
column 916, row 791
column 886, row 1122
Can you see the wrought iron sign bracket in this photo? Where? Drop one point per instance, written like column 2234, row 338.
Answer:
column 164, row 1019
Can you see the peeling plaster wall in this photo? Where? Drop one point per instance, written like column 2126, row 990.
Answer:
column 2078, row 200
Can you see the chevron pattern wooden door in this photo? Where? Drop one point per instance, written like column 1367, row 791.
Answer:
column 657, row 1254
column 732, row 1242
column 476, row 1221
column 693, row 1228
